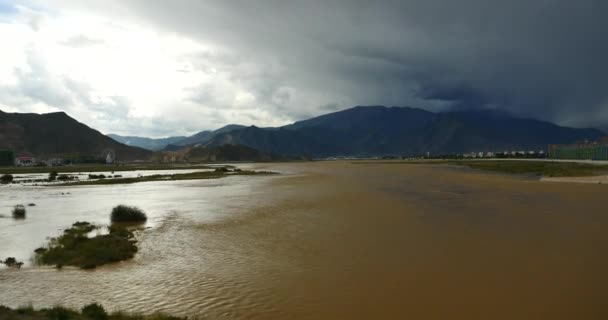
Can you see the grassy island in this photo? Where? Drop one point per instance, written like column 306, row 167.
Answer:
column 170, row 177
column 76, row 248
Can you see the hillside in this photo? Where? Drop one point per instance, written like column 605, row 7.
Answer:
column 58, row 135
column 378, row 130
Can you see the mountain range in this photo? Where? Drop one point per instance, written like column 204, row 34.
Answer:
column 379, row 130
column 359, row 131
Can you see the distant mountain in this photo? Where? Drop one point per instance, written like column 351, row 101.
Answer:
column 58, row 135
column 205, row 136
column 146, row 143
column 172, row 143
column 378, row 130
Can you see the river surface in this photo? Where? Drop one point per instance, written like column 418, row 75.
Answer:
column 329, row 240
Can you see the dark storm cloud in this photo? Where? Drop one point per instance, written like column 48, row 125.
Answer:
column 545, row 58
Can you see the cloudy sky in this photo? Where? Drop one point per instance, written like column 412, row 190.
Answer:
column 158, row 68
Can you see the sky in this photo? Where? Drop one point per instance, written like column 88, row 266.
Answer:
column 160, row 68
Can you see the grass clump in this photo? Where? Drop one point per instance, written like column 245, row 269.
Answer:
column 6, row 179
column 19, row 212
column 75, row 248
column 122, row 213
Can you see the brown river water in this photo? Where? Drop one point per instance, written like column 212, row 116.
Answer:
column 330, row 240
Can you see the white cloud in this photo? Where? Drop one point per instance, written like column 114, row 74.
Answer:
column 121, row 77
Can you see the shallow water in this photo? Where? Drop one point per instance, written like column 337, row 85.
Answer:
column 330, row 240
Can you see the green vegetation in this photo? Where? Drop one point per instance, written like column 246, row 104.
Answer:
column 89, row 312
column 538, row 168
column 169, row 177
column 65, row 177
column 75, row 248
column 11, row 262
column 6, row 179
column 53, row 176
column 124, row 213
column 94, row 311
column 19, row 212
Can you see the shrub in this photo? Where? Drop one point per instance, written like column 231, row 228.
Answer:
column 60, row 313
column 222, row 169
column 124, row 213
column 12, row 262
column 6, row 179
column 19, row 212
column 94, row 311
column 53, row 175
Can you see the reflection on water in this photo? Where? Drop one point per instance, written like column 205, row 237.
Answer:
column 336, row 241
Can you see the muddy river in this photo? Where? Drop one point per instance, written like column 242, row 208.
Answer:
column 329, row 240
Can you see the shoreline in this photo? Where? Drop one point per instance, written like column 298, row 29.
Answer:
column 599, row 179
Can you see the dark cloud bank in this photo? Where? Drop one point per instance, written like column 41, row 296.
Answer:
column 544, row 59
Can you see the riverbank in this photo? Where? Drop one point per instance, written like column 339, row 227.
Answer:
column 536, row 168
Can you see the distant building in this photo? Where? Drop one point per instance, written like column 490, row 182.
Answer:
column 25, row 161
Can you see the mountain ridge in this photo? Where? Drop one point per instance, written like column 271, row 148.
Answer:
column 56, row 134
column 379, row 130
